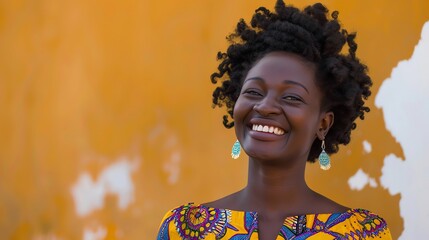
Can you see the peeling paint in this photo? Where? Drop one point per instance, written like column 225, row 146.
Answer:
column 404, row 100
column 89, row 193
column 367, row 147
column 360, row 179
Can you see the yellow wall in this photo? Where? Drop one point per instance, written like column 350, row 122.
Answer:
column 85, row 85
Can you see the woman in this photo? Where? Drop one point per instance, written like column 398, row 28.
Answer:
column 294, row 98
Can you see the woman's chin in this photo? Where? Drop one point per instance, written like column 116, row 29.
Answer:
column 262, row 155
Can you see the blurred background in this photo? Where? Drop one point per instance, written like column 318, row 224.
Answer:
column 106, row 120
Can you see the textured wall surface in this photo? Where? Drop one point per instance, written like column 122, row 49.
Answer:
column 106, row 119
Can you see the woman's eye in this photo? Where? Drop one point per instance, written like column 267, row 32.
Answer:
column 253, row 92
column 292, row 98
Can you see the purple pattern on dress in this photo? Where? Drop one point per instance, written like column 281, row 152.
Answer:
column 196, row 222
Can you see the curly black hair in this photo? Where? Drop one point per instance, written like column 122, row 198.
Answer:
column 313, row 35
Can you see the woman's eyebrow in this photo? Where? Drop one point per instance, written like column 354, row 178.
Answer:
column 296, row 83
column 254, row 78
column 285, row 81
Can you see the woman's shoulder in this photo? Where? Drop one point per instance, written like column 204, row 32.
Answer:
column 182, row 209
column 359, row 222
column 192, row 220
column 187, row 212
column 168, row 224
column 367, row 218
column 178, row 208
column 177, row 211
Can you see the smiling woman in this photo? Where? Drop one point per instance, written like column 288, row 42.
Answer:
column 294, row 97
column 280, row 92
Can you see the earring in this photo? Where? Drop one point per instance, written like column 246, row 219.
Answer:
column 324, row 160
column 236, row 149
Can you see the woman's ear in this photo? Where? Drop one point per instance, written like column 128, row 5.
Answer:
column 325, row 123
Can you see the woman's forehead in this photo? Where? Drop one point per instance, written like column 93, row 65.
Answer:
column 278, row 63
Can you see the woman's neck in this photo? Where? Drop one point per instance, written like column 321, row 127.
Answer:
column 272, row 187
column 277, row 191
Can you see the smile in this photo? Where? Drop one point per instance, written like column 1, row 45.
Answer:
column 267, row 129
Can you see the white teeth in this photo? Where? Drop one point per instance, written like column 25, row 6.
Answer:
column 278, row 131
column 268, row 129
column 265, row 129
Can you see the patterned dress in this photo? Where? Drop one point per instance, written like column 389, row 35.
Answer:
column 195, row 222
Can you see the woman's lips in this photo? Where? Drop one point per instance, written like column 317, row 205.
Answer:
column 266, row 132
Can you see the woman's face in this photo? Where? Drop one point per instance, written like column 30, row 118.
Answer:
column 278, row 113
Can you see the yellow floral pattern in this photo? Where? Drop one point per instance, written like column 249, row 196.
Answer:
column 197, row 222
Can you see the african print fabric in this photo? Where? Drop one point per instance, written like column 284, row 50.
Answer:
column 196, row 222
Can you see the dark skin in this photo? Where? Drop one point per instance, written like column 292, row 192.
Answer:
column 279, row 94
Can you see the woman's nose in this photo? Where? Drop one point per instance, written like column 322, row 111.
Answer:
column 267, row 106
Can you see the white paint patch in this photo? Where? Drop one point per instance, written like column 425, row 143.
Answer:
column 88, row 194
column 367, row 147
column 360, row 180
column 404, row 100
column 389, row 179
column 94, row 234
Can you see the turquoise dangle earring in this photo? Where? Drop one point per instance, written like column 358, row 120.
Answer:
column 236, row 149
column 324, row 160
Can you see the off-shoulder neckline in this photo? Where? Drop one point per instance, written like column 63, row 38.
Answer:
column 349, row 211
